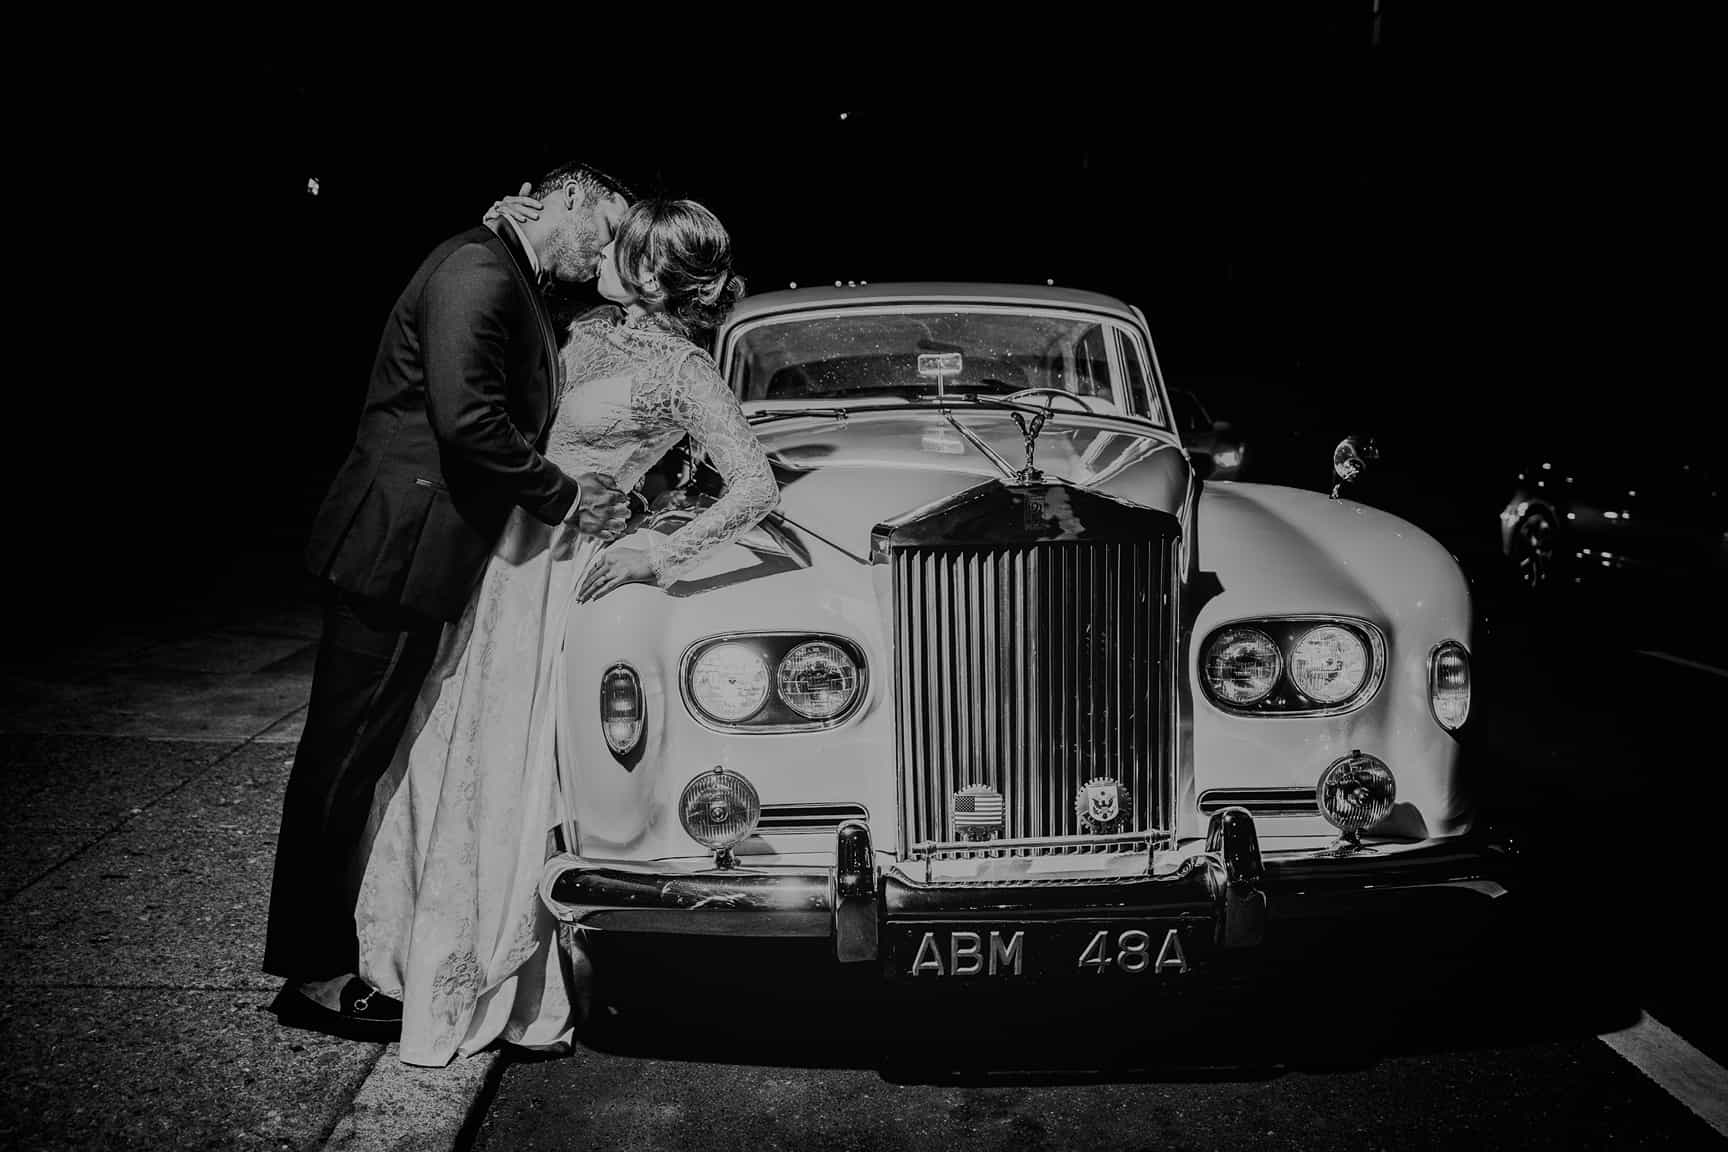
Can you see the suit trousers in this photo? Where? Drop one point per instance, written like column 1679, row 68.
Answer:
column 372, row 659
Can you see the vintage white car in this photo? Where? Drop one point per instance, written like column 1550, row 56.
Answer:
column 1002, row 690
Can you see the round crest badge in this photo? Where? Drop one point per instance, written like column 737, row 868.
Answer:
column 1102, row 805
column 978, row 813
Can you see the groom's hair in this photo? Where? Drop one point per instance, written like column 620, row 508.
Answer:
column 594, row 183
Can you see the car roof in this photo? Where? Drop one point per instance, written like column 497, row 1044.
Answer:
column 959, row 292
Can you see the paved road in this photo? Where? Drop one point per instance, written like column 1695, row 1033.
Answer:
column 1600, row 746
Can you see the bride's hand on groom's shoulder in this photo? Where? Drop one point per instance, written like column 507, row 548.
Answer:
column 622, row 563
column 520, row 207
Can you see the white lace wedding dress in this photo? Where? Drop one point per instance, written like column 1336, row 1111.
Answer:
column 449, row 913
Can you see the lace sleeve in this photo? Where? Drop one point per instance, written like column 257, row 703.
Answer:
column 705, row 408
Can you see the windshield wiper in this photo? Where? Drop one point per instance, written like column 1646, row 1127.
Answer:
column 839, row 414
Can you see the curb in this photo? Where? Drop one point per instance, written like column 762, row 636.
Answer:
column 403, row 1108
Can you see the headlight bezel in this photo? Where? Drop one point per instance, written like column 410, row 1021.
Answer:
column 1286, row 632
column 775, row 716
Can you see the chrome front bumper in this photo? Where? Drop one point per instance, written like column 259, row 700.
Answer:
column 1230, row 882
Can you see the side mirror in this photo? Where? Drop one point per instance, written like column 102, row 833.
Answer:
column 1350, row 460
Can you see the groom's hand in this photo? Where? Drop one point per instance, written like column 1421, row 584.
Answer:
column 601, row 509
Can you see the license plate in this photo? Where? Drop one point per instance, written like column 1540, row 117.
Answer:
column 1144, row 950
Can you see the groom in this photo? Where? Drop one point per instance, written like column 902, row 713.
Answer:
column 450, row 441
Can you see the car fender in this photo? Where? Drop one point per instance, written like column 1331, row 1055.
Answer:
column 1264, row 550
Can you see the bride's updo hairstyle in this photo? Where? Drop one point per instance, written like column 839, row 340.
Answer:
column 686, row 252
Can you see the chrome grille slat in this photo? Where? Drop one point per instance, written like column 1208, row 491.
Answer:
column 1034, row 668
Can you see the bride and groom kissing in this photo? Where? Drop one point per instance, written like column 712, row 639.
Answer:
column 479, row 514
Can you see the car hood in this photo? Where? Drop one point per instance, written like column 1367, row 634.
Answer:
column 839, row 480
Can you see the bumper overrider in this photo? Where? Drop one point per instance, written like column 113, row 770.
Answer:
column 1228, row 898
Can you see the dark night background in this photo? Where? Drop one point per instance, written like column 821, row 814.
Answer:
column 1463, row 226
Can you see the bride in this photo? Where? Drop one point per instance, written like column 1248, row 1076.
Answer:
column 449, row 912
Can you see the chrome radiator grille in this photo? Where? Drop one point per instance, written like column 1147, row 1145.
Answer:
column 1032, row 668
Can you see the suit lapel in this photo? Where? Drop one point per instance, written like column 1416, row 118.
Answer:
column 525, row 275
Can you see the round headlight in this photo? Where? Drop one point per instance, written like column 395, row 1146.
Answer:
column 1355, row 792
column 719, row 809
column 1449, row 684
column 1242, row 665
column 818, row 680
column 729, row 682
column 1329, row 664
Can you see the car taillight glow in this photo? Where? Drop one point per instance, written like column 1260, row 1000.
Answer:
column 621, row 712
column 1242, row 665
column 1449, row 684
column 729, row 682
column 1329, row 664
column 1356, row 792
column 817, row 680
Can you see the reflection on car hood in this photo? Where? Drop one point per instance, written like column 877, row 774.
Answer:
column 841, row 479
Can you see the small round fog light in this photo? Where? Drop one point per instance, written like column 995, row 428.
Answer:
column 719, row 810
column 1355, row 792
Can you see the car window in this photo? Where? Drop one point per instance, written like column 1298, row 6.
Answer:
column 906, row 351
column 1143, row 399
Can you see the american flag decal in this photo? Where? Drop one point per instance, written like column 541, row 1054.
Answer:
column 978, row 812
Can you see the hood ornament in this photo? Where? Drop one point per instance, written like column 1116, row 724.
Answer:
column 1030, row 474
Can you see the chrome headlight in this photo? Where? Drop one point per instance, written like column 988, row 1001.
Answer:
column 1299, row 665
column 1242, row 665
column 1449, row 684
column 729, row 682
column 1329, row 664
column 1355, row 792
column 719, row 809
column 817, row 680
column 763, row 682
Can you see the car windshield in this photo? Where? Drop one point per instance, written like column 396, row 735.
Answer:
column 910, row 352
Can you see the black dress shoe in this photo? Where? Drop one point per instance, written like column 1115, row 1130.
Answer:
column 367, row 1014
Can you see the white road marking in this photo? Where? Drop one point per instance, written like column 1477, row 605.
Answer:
column 1683, row 1072
column 1685, row 663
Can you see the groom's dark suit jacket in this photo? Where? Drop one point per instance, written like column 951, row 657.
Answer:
column 452, row 432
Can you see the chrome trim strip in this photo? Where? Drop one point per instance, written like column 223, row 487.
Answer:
column 1376, row 676
column 820, row 817
column 1057, row 845
column 1262, row 803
